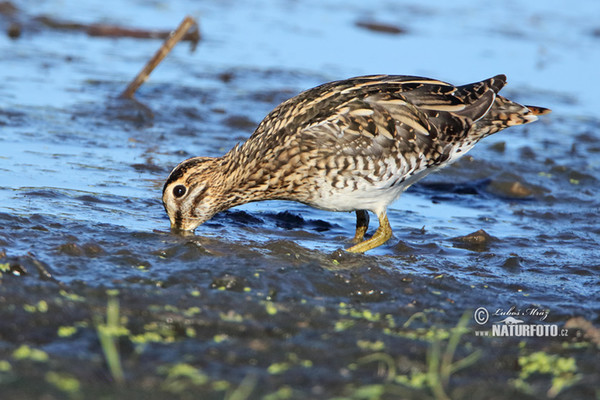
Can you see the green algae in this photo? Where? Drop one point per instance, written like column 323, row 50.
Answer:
column 25, row 352
column 66, row 331
column 562, row 370
column 5, row 366
column 65, row 383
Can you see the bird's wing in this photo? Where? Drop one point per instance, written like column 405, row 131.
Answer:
column 354, row 126
column 412, row 116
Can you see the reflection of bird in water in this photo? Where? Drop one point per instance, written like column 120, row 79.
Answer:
column 351, row 145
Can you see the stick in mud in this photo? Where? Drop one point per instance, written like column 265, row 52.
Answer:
column 166, row 47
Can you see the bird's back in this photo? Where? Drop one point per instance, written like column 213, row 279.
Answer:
column 397, row 107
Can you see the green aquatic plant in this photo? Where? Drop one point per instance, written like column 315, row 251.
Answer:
column 244, row 389
column 292, row 360
column 278, row 368
column 360, row 314
column 386, row 364
column 220, row 385
column 232, row 316
column 190, row 312
column 370, row 392
column 441, row 364
column 5, row 366
column 377, row 345
column 157, row 332
column 71, row 296
column 65, row 383
column 4, row 268
column 343, row 324
column 270, row 308
column 181, row 377
column 108, row 334
column 66, row 331
column 220, row 337
column 283, row 393
column 25, row 352
column 41, row 306
column 418, row 315
column 416, row 380
column 563, row 371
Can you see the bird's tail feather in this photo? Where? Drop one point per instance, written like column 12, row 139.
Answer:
column 505, row 113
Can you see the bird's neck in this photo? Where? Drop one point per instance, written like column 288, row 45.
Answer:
column 243, row 179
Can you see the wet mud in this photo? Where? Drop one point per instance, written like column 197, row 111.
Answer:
column 98, row 299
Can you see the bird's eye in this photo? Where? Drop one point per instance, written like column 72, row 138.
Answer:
column 179, row 190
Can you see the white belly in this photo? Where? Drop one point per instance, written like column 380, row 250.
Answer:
column 374, row 198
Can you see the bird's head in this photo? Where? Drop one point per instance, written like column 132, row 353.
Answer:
column 189, row 196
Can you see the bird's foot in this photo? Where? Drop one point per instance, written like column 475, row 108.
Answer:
column 382, row 235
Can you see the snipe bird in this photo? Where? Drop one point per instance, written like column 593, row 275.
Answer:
column 349, row 145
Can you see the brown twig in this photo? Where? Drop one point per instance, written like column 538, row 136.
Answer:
column 107, row 30
column 117, row 31
column 166, row 47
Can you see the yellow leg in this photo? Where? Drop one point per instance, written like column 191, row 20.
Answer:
column 382, row 235
column 362, row 224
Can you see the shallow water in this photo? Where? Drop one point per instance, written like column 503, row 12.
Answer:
column 262, row 300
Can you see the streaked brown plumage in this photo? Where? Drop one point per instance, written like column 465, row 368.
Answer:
column 351, row 145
